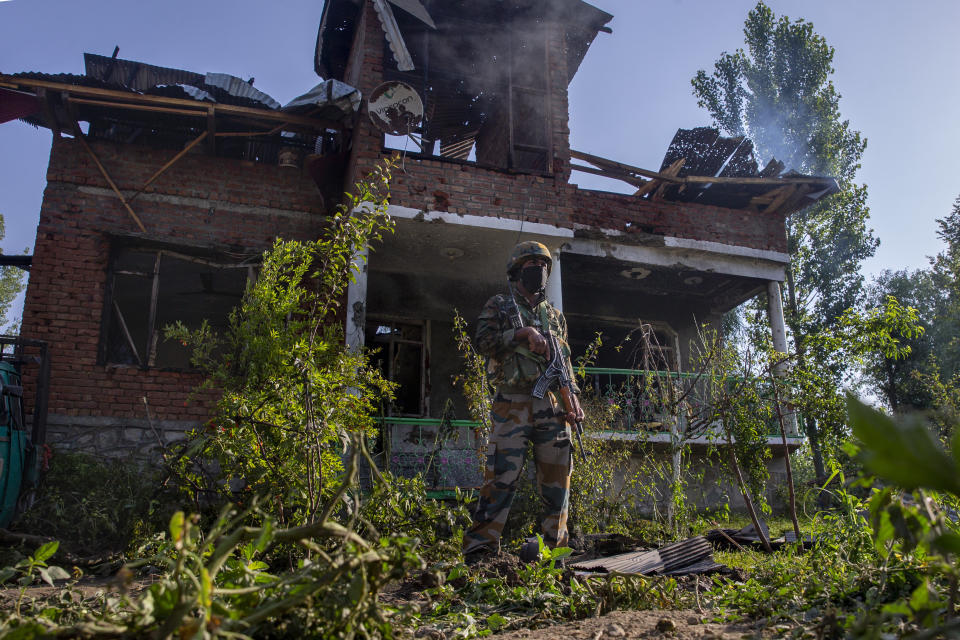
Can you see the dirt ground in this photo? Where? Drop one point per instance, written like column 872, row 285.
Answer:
column 675, row 625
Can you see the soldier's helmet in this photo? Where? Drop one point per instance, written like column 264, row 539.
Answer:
column 525, row 250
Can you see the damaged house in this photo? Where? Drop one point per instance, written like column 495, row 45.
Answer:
column 165, row 186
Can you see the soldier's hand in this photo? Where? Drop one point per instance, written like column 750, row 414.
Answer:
column 574, row 416
column 535, row 340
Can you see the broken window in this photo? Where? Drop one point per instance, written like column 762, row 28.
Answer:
column 482, row 75
column 402, row 358
column 152, row 288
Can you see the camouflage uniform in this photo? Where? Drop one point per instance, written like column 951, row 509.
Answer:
column 518, row 418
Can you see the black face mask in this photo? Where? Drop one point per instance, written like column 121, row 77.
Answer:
column 534, row 278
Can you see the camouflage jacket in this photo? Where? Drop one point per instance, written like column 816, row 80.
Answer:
column 510, row 366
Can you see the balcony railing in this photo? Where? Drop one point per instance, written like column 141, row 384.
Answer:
column 639, row 401
column 450, row 459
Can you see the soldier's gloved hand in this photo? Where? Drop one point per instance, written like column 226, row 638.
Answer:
column 535, row 340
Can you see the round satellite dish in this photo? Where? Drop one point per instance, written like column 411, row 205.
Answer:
column 395, row 108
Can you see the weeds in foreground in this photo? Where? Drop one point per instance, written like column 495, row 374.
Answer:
column 509, row 596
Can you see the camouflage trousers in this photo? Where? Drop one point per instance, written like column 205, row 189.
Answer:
column 518, row 419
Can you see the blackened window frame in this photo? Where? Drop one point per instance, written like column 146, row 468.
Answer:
column 419, row 37
column 111, row 314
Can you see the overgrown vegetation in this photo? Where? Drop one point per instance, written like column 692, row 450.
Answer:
column 289, row 394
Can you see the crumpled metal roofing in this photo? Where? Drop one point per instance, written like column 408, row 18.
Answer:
column 147, row 78
column 188, row 90
column 138, row 76
column 329, row 99
column 239, row 88
column 694, row 555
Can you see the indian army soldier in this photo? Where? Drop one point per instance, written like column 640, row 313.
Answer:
column 512, row 334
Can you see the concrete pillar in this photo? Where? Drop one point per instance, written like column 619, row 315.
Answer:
column 779, row 329
column 554, row 290
column 357, row 301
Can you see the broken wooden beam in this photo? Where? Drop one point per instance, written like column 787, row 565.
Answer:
column 83, row 140
column 169, row 164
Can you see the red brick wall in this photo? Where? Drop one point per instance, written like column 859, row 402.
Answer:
column 214, row 201
column 681, row 220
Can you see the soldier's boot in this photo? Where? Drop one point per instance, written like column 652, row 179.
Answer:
column 530, row 551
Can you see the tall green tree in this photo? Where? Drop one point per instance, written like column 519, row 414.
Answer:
column 11, row 284
column 945, row 273
column 777, row 91
column 896, row 379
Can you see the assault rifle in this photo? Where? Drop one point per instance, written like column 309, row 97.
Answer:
column 556, row 374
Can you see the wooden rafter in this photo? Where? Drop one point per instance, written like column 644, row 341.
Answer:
column 113, row 185
column 608, row 173
column 781, row 199
column 669, row 172
column 117, row 99
column 48, row 111
column 169, row 164
column 663, row 176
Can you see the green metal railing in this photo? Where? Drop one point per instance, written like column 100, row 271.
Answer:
column 426, row 422
column 610, row 373
column 644, row 404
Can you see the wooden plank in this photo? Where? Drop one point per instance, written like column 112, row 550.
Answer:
column 249, row 134
column 138, row 107
column 152, row 317
column 606, row 173
column 136, row 98
column 83, row 140
column 769, row 196
column 782, row 198
column 46, row 100
column 126, row 333
column 669, row 172
column 647, row 187
column 211, row 131
column 169, row 164
column 597, row 160
column 817, row 180
column 674, row 168
column 797, row 201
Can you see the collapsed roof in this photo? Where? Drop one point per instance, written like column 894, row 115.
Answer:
column 703, row 167
column 126, row 101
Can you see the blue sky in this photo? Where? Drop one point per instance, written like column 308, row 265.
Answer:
column 897, row 69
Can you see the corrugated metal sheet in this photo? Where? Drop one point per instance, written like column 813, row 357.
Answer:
column 147, row 78
column 187, row 91
column 138, row 76
column 239, row 88
column 694, row 555
column 331, row 99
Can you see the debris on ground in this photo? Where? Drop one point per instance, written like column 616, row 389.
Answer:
column 694, row 555
column 747, row 538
